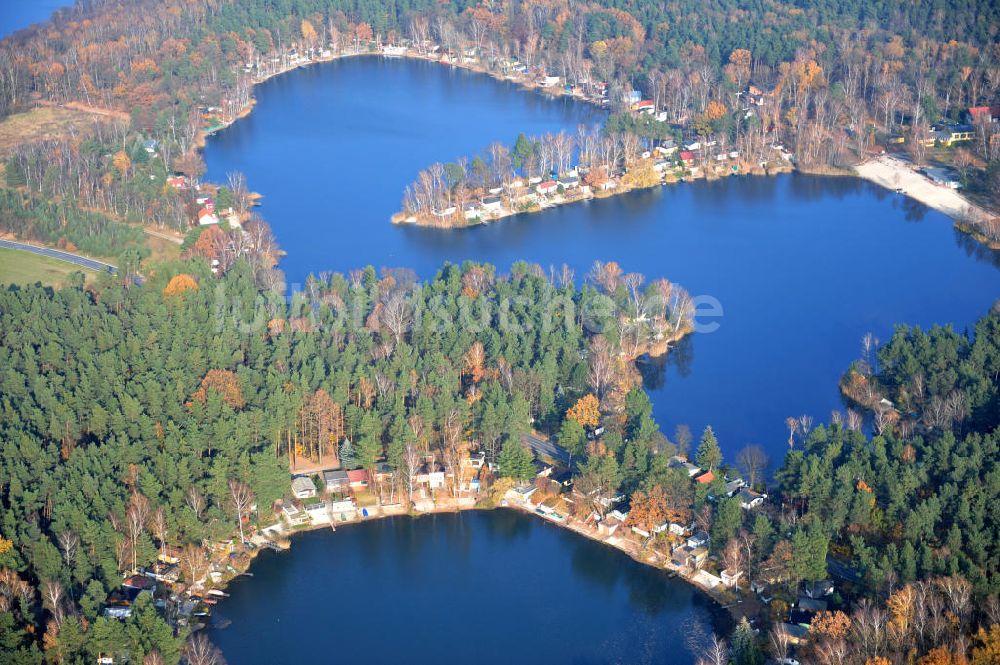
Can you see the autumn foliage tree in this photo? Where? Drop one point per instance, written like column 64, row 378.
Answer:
column 179, row 284
column 648, row 509
column 223, row 382
column 586, row 411
column 321, row 424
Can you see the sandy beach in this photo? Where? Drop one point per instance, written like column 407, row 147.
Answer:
column 894, row 173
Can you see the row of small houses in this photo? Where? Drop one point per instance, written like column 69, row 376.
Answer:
column 690, row 548
column 534, row 190
column 689, row 551
column 344, row 493
column 160, row 581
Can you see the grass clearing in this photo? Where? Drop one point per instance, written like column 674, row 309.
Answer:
column 17, row 267
column 161, row 249
column 41, row 123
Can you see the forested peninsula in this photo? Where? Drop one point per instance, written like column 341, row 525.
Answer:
column 150, row 417
column 171, row 425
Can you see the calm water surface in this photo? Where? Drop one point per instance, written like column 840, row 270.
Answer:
column 17, row 14
column 485, row 587
column 802, row 266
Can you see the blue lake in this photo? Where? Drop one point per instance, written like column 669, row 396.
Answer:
column 483, row 586
column 17, row 14
column 802, row 266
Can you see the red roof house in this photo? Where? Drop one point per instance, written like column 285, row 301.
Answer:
column 646, row 106
column 207, row 217
column 687, row 157
column 706, row 478
column 357, row 478
column 547, row 187
column 984, row 113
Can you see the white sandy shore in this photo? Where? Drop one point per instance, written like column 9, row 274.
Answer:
column 893, row 173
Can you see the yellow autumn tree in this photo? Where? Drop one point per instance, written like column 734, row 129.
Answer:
column 878, row 660
column 308, row 32
column 715, row 110
column 179, row 284
column 122, row 162
column 586, row 411
column 988, row 649
column 641, row 173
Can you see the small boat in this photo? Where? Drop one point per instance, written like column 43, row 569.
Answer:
column 218, row 592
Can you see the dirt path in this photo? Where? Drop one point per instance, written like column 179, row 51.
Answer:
column 163, row 236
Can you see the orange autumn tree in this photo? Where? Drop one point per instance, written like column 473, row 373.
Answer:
column 649, row 509
column 834, row 625
column 715, row 110
column 223, row 382
column 941, row 655
column 586, row 411
column 474, row 362
column 179, row 284
column 209, row 242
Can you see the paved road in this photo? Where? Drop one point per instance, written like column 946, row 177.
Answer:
column 547, row 448
column 59, row 255
column 841, row 570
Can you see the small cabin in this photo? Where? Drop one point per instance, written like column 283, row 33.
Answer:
column 303, row 487
column 547, row 187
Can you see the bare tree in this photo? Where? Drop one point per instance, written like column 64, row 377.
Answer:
column 682, row 439
column 753, row 460
column 135, row 524
column 411, row 465
column 195, row 501
column 732, row 555
column 52, row 600
column 805, row 424
column 854, row 420
column 198, row 650
column 397, row 315
column 153, row 658
column 601, row 365
column 868, row 624
column 778, row 643
column 717, row 653
column 193, row 563
column 158, row 525
column 241, row 497
column 793, row 427
column 69, row 544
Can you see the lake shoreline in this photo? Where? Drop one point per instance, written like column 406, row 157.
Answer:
column 959, row 213
column 897, row 175
column 577, row 196
column 633, row 550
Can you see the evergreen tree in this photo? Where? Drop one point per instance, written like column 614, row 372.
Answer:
column 745, row 649
column 516, row 461
column 709, row 455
